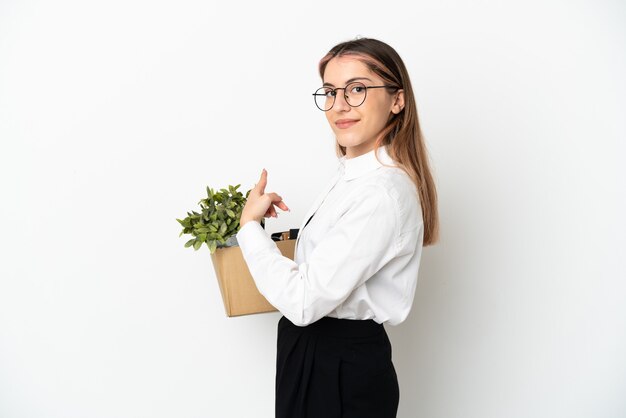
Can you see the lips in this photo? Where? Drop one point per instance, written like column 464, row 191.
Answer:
column 345, row 123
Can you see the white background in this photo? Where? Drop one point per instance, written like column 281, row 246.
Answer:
column 115, row 116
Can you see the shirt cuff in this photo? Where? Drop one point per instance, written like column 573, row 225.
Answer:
column 252, row 238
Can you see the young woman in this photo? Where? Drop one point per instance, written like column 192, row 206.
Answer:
column 358, row 253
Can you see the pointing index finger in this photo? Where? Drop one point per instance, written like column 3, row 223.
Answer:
column 263, row 181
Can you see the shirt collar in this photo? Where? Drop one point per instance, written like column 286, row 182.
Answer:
column 357, row 166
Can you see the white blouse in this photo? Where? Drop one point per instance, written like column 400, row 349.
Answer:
column 357, row 258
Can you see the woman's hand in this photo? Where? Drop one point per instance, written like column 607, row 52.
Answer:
column 260, row 204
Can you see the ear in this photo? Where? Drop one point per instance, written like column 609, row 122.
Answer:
column 398, row 103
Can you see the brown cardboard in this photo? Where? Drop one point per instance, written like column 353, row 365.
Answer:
column 239, row 292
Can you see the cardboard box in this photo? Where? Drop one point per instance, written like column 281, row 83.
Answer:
column 239, row 292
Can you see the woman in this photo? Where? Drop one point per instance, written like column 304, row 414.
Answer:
column 357, row 258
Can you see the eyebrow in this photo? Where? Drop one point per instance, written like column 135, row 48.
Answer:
column 347, row 82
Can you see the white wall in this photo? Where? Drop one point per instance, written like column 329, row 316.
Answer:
column 114, row 117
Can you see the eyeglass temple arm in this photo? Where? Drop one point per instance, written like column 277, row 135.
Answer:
column 367, row 87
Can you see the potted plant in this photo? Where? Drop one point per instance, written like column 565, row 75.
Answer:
column 217, row 222
column 216, row 225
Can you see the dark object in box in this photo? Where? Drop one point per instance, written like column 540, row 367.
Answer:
column 283, row 236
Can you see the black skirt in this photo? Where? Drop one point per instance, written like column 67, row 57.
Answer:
column 335, row 368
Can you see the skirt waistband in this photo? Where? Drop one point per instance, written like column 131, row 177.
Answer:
column 335, row 327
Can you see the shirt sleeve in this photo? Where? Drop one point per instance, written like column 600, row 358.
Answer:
column 361, row 242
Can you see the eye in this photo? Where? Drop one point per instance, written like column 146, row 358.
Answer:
column 330, row 92
column 357, row 89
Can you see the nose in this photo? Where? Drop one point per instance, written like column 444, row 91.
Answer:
column 341, row 105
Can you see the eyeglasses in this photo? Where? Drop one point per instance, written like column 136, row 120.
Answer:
column 354, row 93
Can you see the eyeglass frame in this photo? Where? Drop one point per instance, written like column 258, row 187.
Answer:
column 334, row 90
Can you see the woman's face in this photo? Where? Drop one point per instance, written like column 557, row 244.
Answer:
column 356, row 128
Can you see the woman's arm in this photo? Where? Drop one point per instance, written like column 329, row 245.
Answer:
column 359, row 244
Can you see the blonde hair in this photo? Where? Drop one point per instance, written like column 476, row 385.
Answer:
column 402, row 134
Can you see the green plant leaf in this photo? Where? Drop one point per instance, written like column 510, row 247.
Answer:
column 218, row 218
